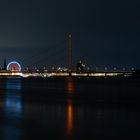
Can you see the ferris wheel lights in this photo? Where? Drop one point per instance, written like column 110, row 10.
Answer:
column 14, row 66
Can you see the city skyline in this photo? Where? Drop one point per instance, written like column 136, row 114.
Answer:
column 104, row 33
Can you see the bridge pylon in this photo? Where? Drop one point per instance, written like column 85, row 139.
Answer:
column 69, row 53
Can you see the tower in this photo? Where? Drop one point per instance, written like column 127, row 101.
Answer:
column 69, row 53
column 4, row 64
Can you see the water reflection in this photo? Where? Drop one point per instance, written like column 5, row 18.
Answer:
column 13, row 110
column 69, row 118
column 70, row 90
column 70, row 86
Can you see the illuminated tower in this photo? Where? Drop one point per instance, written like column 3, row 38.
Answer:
column 69, row 53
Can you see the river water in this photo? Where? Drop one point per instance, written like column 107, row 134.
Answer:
column 69, row 108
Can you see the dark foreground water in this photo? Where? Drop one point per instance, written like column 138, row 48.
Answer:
column 67, row 109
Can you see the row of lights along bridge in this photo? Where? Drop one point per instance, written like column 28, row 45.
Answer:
column 80, row 67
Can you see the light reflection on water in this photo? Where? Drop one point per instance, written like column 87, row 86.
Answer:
column 13, row 110
column 13, row 97
column 70, row 90
column 57, row 114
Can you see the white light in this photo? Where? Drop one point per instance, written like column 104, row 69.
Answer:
column 14, row 62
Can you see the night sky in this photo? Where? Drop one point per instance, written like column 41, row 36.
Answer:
column 105, row 33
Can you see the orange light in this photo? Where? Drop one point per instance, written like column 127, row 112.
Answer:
column 69, row 120
column 70, row 116
column 69, row 125
column 70, row 86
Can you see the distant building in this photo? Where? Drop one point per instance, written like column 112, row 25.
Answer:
column 4, row 65
column 80, row 67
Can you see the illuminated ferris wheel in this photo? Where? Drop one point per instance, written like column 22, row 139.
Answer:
column 14, row 66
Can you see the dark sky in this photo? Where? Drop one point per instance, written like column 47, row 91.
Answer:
column 105, row 33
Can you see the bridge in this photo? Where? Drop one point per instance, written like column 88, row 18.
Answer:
column 14, row 69
column 45, row 74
